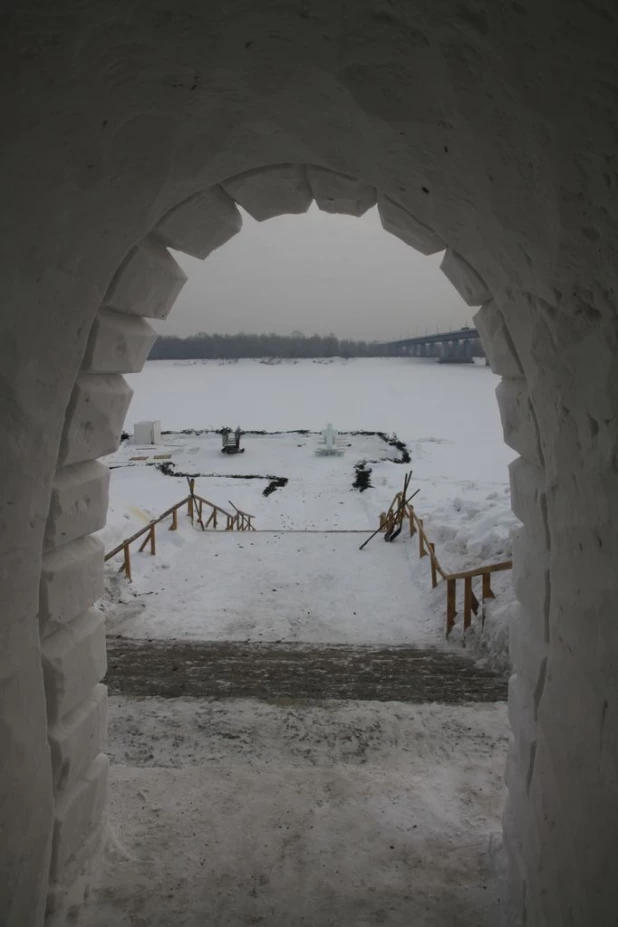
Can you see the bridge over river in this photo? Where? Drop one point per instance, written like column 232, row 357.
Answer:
column 456, row 347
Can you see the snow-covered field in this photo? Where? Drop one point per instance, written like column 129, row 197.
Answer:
column 446, row 415
column 441, row 407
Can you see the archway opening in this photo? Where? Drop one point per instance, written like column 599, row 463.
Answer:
column 454, row 440
column 145, row 285
column 134, row 617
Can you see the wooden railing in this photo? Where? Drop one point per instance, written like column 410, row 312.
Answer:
column 239, row 521
column 242, row 521
column 398, row 513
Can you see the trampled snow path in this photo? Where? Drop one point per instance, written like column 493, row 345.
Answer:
column 262, row 586
column 298, row 672
column 242, row 812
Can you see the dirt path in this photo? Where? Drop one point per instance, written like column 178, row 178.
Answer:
column 223, row 669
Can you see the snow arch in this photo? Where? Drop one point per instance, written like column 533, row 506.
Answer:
column 491, row 129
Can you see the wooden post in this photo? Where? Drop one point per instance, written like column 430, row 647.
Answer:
column 214, row 518
column 191, row 503
column 199, row 509
column 127, row 563
column 421, row 543
column 487, row 593
column 174, row 524
column 467, row 602
column 451, row 604
column 411, row 516
column 434, row 572
column 153, row 545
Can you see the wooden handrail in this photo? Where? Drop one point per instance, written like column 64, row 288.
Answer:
column 240, row 511
column 212, row 505
column 427, row 548
column 480, row 571
column 146, row 528
column 241, row 521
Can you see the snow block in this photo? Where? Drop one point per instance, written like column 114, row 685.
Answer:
column 147, row 282
column 74, row 661
column 521, row 707
column 95, row 417
column 517, row 894
column 118, row 343
column 69, row 891
column 518, row 422
column 528, row 647
column 465, row 279
column 272, row 191
column 522, row 717
column 399, row 222
column 71, row 580
column 512, row 817
column 517, row 773
column 201, row 224
column 336, row 193
column 497, row 342
column 78, row 812
column 80, row 494
column 529, row 498
column 531, row 576
column 78, row 738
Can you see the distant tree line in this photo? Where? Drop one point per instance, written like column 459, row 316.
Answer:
column 296, row 345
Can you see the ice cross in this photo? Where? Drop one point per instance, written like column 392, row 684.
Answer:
column 329, row 434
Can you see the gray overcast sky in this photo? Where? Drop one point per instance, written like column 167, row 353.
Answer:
column 316, row 273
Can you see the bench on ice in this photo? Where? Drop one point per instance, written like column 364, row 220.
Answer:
column 230, row 441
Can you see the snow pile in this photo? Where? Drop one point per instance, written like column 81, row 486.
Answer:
column 136, row 496
column 468, row 535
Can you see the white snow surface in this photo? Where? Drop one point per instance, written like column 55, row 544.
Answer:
column 233, row 812
column 206, row 587
column 314, row 588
